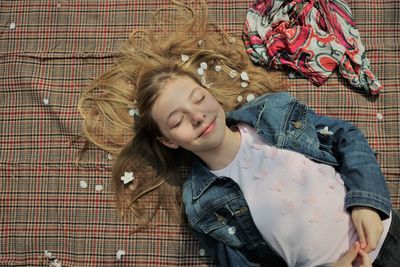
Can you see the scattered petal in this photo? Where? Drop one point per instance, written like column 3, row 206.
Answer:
column 244, row 76
column 250, row 97
column 120, row 253
column 239, row 98
column 200, row 71
column 128, row 177
column 203, row 65
column 244, row 84
column 233, row 74
column 184, row 57
column 47, row 254
column 379, row 116
column 232, row 230
column 325, row 131
column 12, row 26
column 83, row 184
column 218, row 68
column 98, row 187
column 133, row 112
column 110, row 156
column 45, row 101
column 55, row 263
column 200, row 42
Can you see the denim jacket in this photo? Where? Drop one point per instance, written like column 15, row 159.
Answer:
column 215, row 206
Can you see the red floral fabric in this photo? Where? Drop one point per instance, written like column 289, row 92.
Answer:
column 313, row 37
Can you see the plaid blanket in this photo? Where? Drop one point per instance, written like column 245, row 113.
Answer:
column 49, row 51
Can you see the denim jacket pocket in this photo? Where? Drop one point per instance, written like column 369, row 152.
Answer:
column 219, row 224
column 295, row 119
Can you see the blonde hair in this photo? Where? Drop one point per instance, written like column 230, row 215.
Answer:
column 147, row 61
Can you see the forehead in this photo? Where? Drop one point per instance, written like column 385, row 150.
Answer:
column 173, row 93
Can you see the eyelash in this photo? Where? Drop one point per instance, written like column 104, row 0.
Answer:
column 201, row 99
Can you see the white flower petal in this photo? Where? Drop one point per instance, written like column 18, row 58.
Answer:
column 83, row 184
column 203, row 65
column 218, row 68
column 244, row 84
column 200, row 71
column 239, row 98
column 120, row 253
column 233, row 74
column 244, row 76
column 98, row 187
column 250, row 97
column 184, row 57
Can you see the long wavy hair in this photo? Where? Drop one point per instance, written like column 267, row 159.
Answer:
column 148, row 60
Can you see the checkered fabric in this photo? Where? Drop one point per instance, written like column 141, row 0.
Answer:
column 49, row 51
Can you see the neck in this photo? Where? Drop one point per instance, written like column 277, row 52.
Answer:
column 222, row 155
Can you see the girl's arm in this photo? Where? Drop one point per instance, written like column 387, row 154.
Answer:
column 358, row 166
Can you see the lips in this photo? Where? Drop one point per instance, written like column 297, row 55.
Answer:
column 208, row 129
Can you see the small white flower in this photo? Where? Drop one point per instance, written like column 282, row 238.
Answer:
column 379, row 116
column 239, row 98
column 47, row 254
column 55, row 263
column 233, row 74
column 203, row 65
column 12, row 26
column 98, row 187
column 218, row 68
column 184, row 57
column 244, row 84
column 110, row 156
column 133, row 112
column 128, row 177
column 244, row 76
column 120, row 253
column 325, row 131
column 82, row 184
column 45, row 101
column 200, row 42
column 200, row 71
column 250, row 97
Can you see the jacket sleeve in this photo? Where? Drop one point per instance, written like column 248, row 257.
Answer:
column 223, row 255
column 358, row 166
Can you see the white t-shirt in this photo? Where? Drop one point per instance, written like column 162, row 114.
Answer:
column 296, row 204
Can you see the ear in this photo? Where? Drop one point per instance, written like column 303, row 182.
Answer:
column 166, row 142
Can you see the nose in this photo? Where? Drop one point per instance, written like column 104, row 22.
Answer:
column 198, row 118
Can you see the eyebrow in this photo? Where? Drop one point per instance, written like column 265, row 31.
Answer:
column 190, row 97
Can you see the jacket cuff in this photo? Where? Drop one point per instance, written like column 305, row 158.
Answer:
column 366, row 199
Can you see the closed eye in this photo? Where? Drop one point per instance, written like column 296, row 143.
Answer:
column 177, row 124
column 201, row 99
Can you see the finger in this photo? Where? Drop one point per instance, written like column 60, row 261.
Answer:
column 373, row 235
column 361, row 235
column 350, row 256
column 365, row 260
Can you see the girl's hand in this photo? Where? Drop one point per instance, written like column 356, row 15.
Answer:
column 369, row 227
column 351, row 255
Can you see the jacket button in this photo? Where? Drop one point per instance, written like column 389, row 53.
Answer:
column 298, row 124
column 202, row 252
